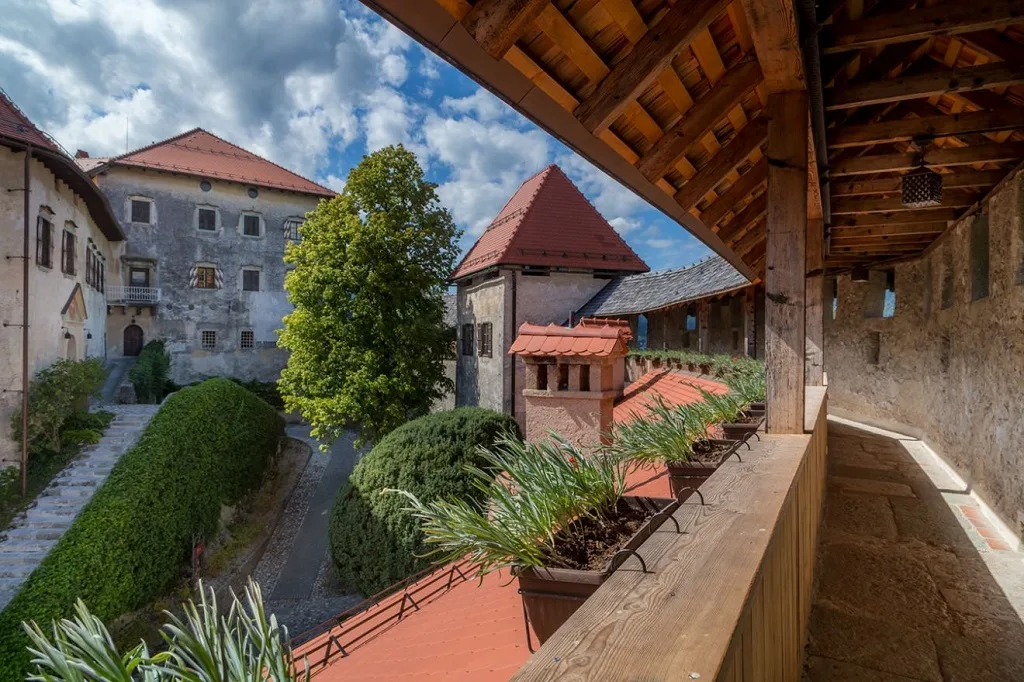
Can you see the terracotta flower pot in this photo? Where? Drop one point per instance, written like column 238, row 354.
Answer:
column 685, row 477
column 740, row 431
column 551, row 595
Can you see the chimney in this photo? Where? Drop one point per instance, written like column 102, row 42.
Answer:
column 81, row 154
column 573, row 377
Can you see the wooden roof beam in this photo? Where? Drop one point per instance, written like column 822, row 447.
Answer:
column 776, row 38
column 897, row 218
column 887, row 230
column 988, row 76
column 927, row 128
column 645, row 62
column 945, row 19
column 944, row 156
column 496, row 24
column 699, row 120
column 721, row 164
column 853, row 188
column 855, row 205
column 995, row 45
column 748, row 214
column 748, row 182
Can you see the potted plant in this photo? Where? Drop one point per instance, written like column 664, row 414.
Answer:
column 556, row 517
column 676, row 437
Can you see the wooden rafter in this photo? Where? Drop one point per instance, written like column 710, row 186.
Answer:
column 497, row 24
column 987, row 76
column 648, row 58
column 927, row 128
column 944, row 19
column 951, row 156
column 856, row 205
column 777, row 43
column 897, row 218
column 751, row 212
column 731, row 156
column 743, row 187
column 852, row 188
column 884, row 230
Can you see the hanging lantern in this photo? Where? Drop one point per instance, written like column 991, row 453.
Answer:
column 922, row 188
column 859, row 273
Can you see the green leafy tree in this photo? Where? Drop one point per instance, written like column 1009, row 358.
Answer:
column 367, row 335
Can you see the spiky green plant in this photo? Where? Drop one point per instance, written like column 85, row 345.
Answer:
column 544, row 491
column 663, row 434
column 244, row 645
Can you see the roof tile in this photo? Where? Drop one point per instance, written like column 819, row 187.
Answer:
column 604, row 341
column 548, row 222
column 15, row 125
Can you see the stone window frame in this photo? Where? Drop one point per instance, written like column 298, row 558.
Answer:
column 246, row 339
column 241, row 225
column 259, row 278
column 69, row 244
column 44, row 245
column 485, row 336
column 216, row 219
column 208, row 339
column 129, row 209
column 206, row 286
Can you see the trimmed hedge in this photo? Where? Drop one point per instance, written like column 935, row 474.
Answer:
column 206, row 446
column 374, row 543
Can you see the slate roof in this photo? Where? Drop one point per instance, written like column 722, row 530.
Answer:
column 599, row 342
column 548, row 222
column 451, row 313
column 643, row 293
column 203, row 154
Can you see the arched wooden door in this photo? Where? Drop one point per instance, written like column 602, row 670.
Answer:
column 132, row 340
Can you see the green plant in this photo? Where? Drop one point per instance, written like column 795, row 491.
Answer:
column 150, row 375
column 207, row 645
column 206, row 447
column 57, row 392
column 267, row 390
column 373, row 543
column 544, row 490
column 367, row 336
column 664, row 434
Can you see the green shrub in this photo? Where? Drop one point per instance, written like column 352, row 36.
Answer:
column 150, row 375
column 373, row 542
column 206, row 446
column 57, row 393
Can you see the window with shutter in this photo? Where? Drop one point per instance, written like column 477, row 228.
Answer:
column 291, row 229
column 467, row 339
column 205, row 278
column 67, row 253
column 44, row 242
column 485, row 339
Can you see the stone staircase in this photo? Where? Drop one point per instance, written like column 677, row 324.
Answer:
column 117, row 372
column 37, row 529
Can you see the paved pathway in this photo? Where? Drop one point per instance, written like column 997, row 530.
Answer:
column 37, row 529
column 295, row 573
column 915, row 580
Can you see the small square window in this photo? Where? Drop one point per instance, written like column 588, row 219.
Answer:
column 250, row 280
column 208, row 339
column 247, row 339
column 207, row 220
column 138, row 277
column 206, row 278
column 251, row 225
column 141, row 211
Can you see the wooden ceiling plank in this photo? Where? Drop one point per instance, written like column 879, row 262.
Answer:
column 927, row 128
column 883, row 230
column 987, row 76
column 995, row 45
column 897, row 218
column 852, row 188
column 645, row 62
column 497, row 24
column 746, row 184
column 624, row 13
column 944, row 19
column 753, row 211
column 854, row 205
column 692, row 127
column 561, row 32
column 950, row 156
column 731, row 156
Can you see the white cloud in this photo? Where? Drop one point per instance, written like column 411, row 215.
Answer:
column 481, row 105
column 661, row 243
column 624, row 226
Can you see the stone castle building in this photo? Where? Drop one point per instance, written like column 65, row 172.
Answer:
column 206, row 224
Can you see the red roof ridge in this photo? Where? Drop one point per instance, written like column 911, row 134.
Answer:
column 603, row 332
column 25, row 121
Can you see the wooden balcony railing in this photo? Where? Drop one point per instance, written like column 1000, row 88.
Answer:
column 133, row 295
column 725, row 600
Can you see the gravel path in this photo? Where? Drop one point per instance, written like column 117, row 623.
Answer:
column 295, row 573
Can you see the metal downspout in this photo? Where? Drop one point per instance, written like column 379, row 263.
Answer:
column 24, row 326
column 809, row 29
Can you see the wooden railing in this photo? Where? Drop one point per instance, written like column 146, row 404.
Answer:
column 725, row 600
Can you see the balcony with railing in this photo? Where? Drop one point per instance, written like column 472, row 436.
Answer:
column 120, row 295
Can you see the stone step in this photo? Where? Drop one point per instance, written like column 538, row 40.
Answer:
column 59, row 502
column 79, row 479
column 24, row 545
column 45, row 519
column 33, row 534
column 76, row 491
column 16, row 573
column 12, row 559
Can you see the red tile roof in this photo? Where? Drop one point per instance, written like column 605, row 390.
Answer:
column 548, row 222
column 202, row 154
column 599, row 322
column 15, row 125
column 604, row 341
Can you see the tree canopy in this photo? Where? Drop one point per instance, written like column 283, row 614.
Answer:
column 367, row 335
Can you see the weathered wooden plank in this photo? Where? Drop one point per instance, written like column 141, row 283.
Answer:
column 854, row 205
column 739, row 190
column 963, row 179
column 839, row 231
column 711, row 108
column 946, row 19
column 750, row 321
column 776, row 38
column 814, row 363
column 935, row 157
column 897, row 218
column 927, row 128
column 497, row 24
column 786, row 254
column 750, row 240
column 732, row 155
column 995, row 44
column 748, row 214
column 988, row 76
column 652, row 54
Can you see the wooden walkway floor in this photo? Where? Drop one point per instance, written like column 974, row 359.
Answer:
column 914, row 583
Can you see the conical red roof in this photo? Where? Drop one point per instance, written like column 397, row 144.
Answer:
column 548, row 222
column 205, row 155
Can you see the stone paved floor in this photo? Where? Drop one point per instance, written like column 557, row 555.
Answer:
column 915, row 582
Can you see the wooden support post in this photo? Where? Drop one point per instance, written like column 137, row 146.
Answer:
column 703, row 313
column 750, row 321
column 786, row 260
column 814, row 367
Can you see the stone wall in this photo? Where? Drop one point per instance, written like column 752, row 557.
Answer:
column 172, row 245
column 479, row 381
column 52, row 335
column 950, row 371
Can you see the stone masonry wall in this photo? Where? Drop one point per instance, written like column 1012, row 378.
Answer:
column 951, row 372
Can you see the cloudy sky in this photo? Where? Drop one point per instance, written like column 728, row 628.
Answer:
column 311, row 84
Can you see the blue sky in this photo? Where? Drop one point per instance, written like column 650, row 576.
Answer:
column 311, row 84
